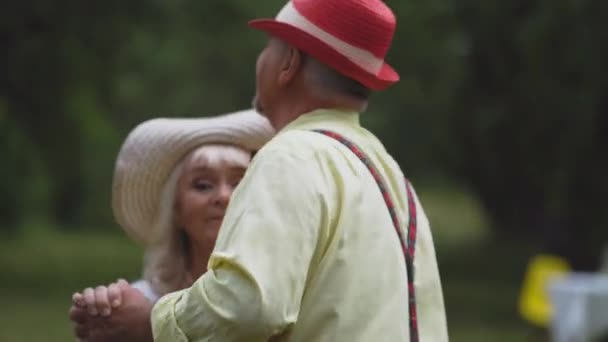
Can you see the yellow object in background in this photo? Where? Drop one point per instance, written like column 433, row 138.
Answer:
column 534, row 303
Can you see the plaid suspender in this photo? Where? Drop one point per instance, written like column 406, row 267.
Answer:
column 407, row 246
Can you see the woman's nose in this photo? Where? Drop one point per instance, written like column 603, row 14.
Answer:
column 223, row 195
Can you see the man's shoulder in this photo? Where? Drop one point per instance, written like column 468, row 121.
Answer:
column 289, row 160
column 309, row 144
column 296, row 143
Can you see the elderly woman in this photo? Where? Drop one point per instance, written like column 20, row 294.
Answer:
column 172, row 183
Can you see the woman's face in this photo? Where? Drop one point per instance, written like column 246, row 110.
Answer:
column 204, row 187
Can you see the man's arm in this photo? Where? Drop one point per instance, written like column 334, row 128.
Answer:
column 258, row 270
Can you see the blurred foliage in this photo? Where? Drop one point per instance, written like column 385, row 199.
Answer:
column 531, row 120
column 508, row 98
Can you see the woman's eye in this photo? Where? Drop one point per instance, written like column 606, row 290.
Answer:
column 202, row 186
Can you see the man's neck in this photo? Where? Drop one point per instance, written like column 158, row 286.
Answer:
column 289, row 112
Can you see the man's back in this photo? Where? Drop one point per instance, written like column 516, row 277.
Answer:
column 356, row 288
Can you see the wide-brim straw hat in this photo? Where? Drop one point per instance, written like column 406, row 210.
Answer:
column 153, row 148
column 350, row 36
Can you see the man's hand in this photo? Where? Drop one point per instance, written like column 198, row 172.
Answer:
column 130, row 321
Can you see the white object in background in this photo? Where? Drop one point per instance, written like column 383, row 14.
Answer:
column 580, row 307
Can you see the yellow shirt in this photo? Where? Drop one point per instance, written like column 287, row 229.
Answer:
column 307, row 251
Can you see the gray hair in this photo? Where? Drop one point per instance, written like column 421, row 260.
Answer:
column 329, row 80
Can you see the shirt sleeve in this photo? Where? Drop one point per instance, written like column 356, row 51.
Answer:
column 257, row 273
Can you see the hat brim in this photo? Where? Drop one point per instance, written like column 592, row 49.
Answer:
column 326, row 54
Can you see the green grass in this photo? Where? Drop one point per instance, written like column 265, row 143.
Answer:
column 39, row 272
column 481, row 276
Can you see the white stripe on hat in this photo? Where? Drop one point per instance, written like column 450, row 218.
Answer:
column 363, row 58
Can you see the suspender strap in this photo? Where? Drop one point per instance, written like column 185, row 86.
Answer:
column 408, row 243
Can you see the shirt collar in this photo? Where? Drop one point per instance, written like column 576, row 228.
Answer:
column 324, row 118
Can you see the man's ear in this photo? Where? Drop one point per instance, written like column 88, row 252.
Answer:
column 291, row 63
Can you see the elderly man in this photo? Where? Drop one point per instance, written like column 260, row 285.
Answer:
column 324, row 239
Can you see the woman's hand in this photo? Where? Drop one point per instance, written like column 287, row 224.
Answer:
column 100, row 300
column 127, row 322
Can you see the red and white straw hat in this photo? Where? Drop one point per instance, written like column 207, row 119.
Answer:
column 153, row 148
column 351, row 36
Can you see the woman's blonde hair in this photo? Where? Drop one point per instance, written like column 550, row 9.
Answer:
column 165, row 265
